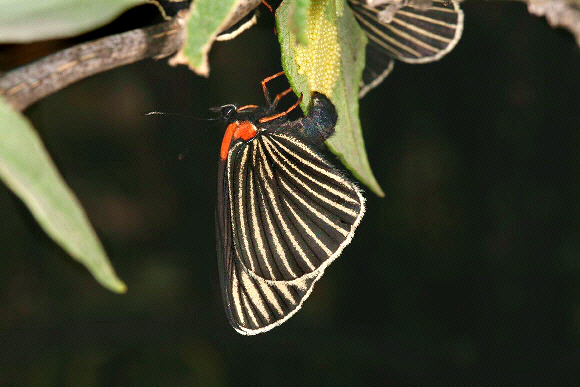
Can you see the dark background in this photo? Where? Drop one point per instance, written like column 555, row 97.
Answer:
column 467, row 272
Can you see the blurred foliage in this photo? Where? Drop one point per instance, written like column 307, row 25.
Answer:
column 23, row 21
column 27, row 169
column 468, row 272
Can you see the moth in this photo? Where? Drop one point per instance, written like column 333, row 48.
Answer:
column 284, row 211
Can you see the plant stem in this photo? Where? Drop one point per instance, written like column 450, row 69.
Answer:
column 27, row 84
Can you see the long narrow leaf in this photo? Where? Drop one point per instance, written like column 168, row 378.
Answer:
column 24, row 21
column 27, row 169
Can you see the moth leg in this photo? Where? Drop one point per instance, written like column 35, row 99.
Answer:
column 265, row 89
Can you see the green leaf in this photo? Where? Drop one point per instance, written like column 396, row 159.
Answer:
column 332, row 64
column 26, row 168
column 24, row 21
column 206, row 19
column 299, row 21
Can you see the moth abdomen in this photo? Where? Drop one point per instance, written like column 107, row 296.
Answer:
column 319, row 124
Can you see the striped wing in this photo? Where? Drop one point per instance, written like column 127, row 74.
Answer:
column 412, row 35
column 291, row 213
column 377, row 67
column 253, row 306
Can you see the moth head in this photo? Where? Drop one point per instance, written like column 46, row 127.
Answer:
column 226, row 112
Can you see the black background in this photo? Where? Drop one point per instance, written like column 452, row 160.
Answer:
column 467, row 272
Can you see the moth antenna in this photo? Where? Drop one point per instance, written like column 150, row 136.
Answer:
column 158, row 113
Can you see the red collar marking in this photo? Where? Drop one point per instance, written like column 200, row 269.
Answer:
column 244, row 130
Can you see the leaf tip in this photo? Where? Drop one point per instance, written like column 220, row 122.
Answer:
column 373, row 185
column 379, row 191
column 116, row 286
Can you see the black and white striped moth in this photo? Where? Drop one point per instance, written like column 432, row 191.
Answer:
column 284, row 212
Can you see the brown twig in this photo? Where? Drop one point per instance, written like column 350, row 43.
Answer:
column 27, row 84
column 30, row 83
